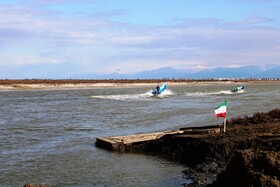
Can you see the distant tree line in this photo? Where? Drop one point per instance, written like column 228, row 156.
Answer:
column 126, row 81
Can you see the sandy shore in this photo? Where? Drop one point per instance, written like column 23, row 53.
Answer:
column 67, row 86
column 90, row 84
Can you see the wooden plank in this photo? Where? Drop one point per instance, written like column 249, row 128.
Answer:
column 125, row 142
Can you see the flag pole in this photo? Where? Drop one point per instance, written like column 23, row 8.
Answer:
column 225, row 121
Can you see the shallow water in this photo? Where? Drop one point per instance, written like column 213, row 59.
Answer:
column 48, row 137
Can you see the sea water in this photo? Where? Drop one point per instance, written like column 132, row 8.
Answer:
column 48, row 137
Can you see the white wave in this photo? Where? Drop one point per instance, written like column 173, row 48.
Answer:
column 222, row 92
column 225, row 92
column 230, row 92
column 142, row 96
column 166, row 93
column 122, row 97
column 240, row 91
column 195, row 93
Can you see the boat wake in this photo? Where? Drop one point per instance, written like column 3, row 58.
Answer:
column 132, row 97
column 121, row 97
column 166, row 93
column 222, row 92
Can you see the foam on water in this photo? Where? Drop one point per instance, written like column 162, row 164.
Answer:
column 222, row 92
column 166, row 93
column 133, row 97
column 121, row 97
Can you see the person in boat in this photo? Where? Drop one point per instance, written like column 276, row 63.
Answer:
column 157, row 89
column 238, row 88
column 234, row 89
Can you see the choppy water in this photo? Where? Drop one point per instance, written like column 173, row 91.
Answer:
column 48, row 137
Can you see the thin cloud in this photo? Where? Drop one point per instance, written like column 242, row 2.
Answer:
column 100, row 41
column 30, row 60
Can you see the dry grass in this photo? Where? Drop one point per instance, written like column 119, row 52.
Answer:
column 257, row 118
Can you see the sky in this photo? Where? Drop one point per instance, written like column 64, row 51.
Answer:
column 64, row 38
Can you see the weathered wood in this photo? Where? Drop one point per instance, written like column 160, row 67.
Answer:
column 126, row 142
column 108, row 143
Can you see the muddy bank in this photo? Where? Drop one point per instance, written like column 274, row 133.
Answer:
column 247, row 154
column 251, row 167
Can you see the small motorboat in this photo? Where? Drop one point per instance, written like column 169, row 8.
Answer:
column 159, row 90
column 238, row 89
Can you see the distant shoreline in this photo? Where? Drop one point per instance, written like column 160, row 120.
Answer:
column 51, row 84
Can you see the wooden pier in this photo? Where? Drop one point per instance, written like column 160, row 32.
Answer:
column 123, row 143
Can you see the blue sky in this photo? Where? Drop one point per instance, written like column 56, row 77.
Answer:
column 62, row 38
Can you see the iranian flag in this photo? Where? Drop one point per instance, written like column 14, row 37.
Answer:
column 221, row 111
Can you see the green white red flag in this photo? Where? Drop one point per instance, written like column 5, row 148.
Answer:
column 221, row 111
